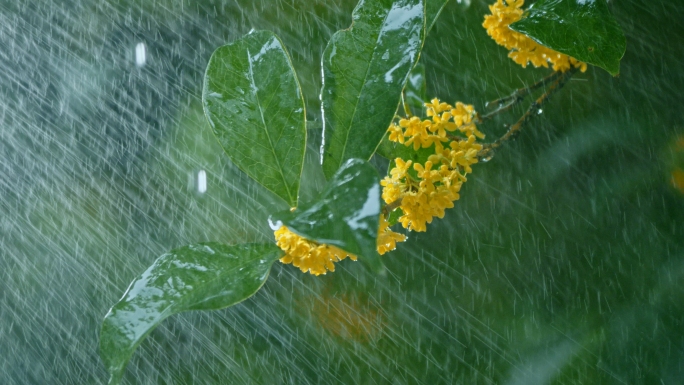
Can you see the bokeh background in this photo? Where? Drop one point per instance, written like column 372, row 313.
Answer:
column 563, row 262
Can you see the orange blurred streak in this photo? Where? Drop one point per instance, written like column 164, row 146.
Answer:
column 678, row 176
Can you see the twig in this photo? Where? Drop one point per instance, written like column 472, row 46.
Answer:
column 517, row 96
column 524, row 91
column 388, row 208
column 557, row 78
column 488, row 151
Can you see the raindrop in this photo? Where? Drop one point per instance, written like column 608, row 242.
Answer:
column 499, row 104
column 202, row 181
column 140, row 54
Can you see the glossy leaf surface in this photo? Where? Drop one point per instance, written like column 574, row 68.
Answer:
column 253, row 101
column 394, row 216
column 415, row 91
column 345, row 214
column 364, row 70
column 583, row 29
column 206, row 276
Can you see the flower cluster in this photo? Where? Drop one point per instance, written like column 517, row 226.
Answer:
column 317, row 259
column 307, row 255
column 523, row 50
column 436, row 184
column 444, row 118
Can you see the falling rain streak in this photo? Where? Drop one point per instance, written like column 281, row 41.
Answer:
column 562, row 262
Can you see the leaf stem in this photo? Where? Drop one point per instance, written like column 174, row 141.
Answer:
column 407, row 109
column 560, row 79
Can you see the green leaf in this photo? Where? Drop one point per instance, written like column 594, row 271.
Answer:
column 415, row 91
column 433, row 8
column 206, row 276
column 364, row 71
column 254, row 104
column 394, row 216
column 346, row 213
column 583, row 29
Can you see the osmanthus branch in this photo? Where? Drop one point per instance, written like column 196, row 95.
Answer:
column 556, row 80
column 388, row 208
column 505, row 103
column 560, row 80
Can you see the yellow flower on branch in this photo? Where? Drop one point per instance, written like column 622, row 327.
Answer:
column 523, row 50
column 395, row 184
column 436, row 183
column 307, row 255
column 464, row 153
column 417, row 131
column 435, row 107
column 416, row 210
column 422, row 190
column 387, row 239
column 317, row 259
column 464, row 118
column 396, row 133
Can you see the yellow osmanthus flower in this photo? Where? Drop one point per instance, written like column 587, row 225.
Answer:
column 317, row 259
column 387, row 239
column 445, row 119
column 307, row 255
column 414, row 129
column 437, row 182
column 397, row 183
column 523, row 50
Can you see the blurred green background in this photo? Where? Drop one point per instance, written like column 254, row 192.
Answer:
column 563, row 262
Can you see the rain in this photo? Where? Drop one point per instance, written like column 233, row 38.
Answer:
column 562, row 262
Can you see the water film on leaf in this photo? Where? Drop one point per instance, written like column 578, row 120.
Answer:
column 206, row 276
column 254, row 104
column 345, row 214
column 365, row 68
column 583, row 29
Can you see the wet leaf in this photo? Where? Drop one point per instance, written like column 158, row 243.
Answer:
column 583, row 29
column 433, row 8
column 415, row 91
column 253, row 101
column 345, row 214
column 364, row 70
column 206, row 276
column 394, row 216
